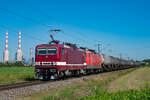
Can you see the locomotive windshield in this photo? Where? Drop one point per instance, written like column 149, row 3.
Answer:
column 41, row 51
column 47, row 51
column 52, row 51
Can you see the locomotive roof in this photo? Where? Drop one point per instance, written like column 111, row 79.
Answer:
column 57, row 45
column 41, row 45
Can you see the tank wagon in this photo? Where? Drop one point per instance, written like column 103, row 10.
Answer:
column 55, row 61
column 111, row 63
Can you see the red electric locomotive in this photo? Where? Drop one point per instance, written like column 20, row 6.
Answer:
column 56, row 60
column 93, row 61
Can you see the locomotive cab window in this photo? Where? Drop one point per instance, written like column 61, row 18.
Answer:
column 47, row 51
column 41, row 51
column 52, row 51
column 62, row 51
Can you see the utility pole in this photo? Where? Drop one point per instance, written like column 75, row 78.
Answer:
column 31, row 58
column 120, row 58
column 99, row 48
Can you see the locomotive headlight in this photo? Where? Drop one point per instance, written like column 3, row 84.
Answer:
column 37, row 63
column 55, row 63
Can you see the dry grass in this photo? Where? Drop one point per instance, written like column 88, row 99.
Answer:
column 138, row 79
column 132, row 86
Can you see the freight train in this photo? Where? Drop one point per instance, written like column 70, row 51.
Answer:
column 56, row 61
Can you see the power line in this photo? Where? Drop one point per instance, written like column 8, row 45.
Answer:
column 24, row 17
column 26, row 35
column 36, row 21
column 39, row 10
column 21, row 16
column 30, row 19
column 47, row 15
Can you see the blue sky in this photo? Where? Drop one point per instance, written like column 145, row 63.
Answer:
column 121, row 26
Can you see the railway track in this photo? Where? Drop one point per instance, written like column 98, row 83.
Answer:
column 37, row 82
column 19, row 85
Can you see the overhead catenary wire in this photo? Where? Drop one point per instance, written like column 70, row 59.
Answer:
column 47, row 15
column 28, row 19
column 29, row 5
column 45, row 25
column 22, row 16
column 24, row 34
column 68, row 35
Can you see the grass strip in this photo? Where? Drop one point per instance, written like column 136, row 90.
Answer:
column 9, row 75
column 123, row 95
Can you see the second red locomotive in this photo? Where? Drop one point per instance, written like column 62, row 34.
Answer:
column 60, row 60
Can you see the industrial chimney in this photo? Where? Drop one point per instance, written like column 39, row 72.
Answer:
column 19, row 52
column 6, row 52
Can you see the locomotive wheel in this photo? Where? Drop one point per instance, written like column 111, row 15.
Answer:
column 76, row 73
column 45, row 78
column 61, row 74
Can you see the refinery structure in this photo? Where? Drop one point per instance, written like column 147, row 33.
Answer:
column 6, row 55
